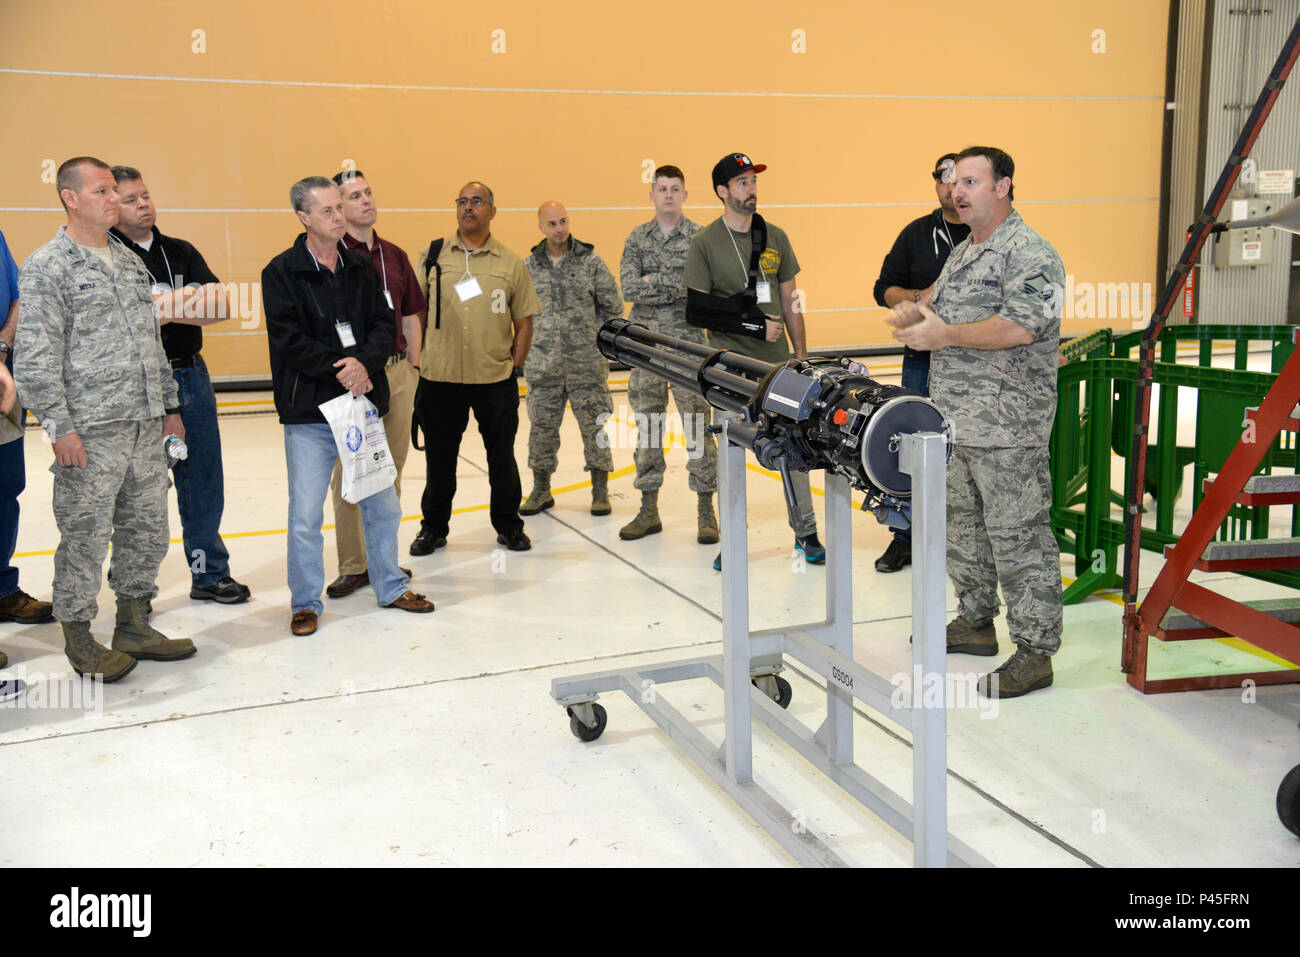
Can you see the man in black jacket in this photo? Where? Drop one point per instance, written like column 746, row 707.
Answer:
column 908, row 273
column 330, row 332
column 189, row 296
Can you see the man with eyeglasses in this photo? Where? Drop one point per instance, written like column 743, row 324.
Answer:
column 718, row 263
column 402, row 292
column 994, row 330
column 188, row 296
column 907, row 275
column 330, row 332
column 481, row 304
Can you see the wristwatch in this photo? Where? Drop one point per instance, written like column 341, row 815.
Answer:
column 5, row 350
column 916, row 295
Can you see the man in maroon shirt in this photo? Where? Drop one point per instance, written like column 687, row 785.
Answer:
column 402, row 290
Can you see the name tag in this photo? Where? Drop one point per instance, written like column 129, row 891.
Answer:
column 388, row 297
column 467, row 289
column 764, row 290
column 160, row 288
column 344, row 329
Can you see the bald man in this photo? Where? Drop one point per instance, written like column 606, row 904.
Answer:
column 578, row 295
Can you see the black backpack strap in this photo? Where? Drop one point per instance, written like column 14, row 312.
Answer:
column 431, row 265
column 758, row 240
column 435, row 293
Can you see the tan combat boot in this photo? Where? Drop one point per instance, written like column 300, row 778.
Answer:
column 600, row 493
column 646, row 521
column 540, row 497
column 89, row 657
column 1023, row 672
column 136, row 637
column 708, row 533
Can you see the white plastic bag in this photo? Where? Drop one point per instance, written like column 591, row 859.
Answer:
column 363, row 448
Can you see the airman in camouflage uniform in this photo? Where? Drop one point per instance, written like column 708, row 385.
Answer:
column 578, row 295
column 90, row 365
column 654, row 258
column 994, row 328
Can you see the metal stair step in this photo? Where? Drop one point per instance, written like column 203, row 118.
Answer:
column 1252, row 554
column 1283, row 609
column 1273, row 483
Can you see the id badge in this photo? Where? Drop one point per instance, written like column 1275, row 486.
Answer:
column 346, row 337
column 388, row 298
column 160, row 288
column 467, row 289
column 764, row 290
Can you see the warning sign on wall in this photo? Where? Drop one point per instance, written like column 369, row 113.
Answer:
column 1276, row 182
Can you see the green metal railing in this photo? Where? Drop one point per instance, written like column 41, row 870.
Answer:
column 1094, row 418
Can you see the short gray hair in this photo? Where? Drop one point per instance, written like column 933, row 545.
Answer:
column 300, row 192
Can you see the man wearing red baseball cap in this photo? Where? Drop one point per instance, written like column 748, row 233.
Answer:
column 718, row 264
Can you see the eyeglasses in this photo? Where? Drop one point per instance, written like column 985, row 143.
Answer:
column 478, row 202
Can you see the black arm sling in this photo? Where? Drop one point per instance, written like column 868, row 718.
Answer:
column 736, row 315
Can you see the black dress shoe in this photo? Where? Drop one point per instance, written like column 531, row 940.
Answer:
column 227, row 591
column 515, row 541
column 897, row 557
column 427, row 542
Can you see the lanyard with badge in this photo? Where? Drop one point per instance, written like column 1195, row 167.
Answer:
column 762, row 288
column 344, row 329
column 157, row 287
column 467, row 287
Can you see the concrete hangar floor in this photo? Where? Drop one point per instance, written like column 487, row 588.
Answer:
column 395, row 739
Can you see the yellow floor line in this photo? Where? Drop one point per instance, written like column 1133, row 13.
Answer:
column 1237, row 643
column 620, row 473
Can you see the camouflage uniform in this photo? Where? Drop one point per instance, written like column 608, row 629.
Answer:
column 90, row 360
column 659, row 302
column 578, row 296
column 1001, row 403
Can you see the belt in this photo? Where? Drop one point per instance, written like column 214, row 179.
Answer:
column 395, row 358
column 184, row 362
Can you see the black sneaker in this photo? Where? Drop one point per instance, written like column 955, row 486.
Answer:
column 426, row 542
column 515, row 541
column 897, row 556
column 227, row 591
column 814, row 552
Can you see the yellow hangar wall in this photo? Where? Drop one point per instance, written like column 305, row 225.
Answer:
column 224, row 105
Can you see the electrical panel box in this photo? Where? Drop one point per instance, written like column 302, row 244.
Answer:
column 1252, row 246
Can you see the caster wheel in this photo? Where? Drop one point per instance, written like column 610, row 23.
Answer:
column 1288, row 801
column 581, row 731
column 784, row 693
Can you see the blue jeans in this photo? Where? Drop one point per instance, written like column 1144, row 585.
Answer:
column 200, row 482
column 310, row 454
column 916, row 374
column 13, row 479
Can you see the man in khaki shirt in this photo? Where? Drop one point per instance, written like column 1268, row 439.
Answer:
column 481, row 307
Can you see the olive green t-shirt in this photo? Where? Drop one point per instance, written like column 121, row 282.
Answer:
column 716, row 266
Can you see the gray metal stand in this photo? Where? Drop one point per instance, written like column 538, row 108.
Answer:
column 748, row 673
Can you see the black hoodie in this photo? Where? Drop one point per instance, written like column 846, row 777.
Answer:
column 918, row 255
column 301, row 305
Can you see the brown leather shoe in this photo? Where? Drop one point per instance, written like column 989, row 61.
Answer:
column 410, row 601
column 23, row 608
column 345, row 585
column 304, row 623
